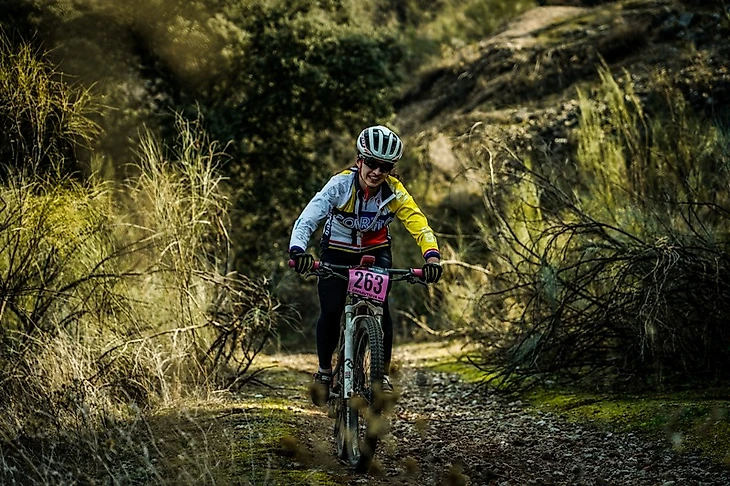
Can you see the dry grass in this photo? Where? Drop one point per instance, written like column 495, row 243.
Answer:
column 607, row 268
column 43, row 120
column 117, row 304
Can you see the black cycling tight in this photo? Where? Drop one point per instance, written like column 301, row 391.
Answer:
column 332, row 293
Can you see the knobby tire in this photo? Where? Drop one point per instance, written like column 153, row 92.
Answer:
column 359, row 423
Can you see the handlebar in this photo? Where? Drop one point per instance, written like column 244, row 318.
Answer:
column 402, row 272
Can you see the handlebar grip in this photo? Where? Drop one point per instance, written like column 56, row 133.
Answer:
column 293, row 263
column 418, row 272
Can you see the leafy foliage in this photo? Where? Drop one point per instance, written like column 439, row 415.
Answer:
column 304, row 79
column 280, row 85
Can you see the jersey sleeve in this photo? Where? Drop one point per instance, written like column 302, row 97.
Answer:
column 415, row 221
column 315, row 211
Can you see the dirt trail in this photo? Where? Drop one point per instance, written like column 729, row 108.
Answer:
column 444, row 431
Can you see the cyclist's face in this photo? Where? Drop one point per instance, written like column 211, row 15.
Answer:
column 370, row 177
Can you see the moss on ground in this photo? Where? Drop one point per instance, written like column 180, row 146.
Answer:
column 270, row 450
column 254, row 440
column 693, row 421
column 459, row 366
column 450, row 357
column 689, row 421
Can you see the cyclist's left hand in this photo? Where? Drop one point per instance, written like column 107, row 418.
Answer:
column 432, row 272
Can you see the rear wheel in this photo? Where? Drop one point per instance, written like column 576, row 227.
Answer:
column 359, row 423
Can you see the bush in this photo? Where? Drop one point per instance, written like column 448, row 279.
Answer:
column 306, row 76
column 114, row 307
column 612, row 269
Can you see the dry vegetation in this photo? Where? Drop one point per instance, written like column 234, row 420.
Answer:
column 116, row 299
column 584, row 208
column 580, row 194
column 613, row 272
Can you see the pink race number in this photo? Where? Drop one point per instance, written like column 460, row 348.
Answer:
column 368, row 284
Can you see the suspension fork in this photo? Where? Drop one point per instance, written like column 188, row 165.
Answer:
column 353, row 314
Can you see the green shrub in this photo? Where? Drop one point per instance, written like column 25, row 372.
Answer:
column 305, row 77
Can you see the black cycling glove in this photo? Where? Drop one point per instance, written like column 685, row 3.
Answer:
column 432, row 272
column 303, row 262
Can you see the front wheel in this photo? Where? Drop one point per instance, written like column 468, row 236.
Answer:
column 359, row 423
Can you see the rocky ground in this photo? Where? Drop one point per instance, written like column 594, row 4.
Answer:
column 446, row 431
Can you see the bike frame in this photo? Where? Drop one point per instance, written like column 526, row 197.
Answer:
column 352, row 318
column 366, row 295
column 356, row 309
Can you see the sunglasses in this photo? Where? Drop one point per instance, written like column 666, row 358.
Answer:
column 384, row 167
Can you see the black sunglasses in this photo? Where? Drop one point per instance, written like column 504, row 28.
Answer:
column 385, row 167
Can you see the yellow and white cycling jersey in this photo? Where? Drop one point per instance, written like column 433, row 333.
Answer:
column 357, row 223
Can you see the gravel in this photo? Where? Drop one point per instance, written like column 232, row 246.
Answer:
column 447, row 432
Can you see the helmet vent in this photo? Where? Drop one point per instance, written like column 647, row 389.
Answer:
column 380, row 142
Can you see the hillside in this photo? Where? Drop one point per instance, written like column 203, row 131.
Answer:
column 574, row 163
column 521, row 84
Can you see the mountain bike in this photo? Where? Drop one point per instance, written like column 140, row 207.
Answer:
column 356, row 396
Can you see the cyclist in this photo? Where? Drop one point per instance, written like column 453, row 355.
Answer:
column 359, row 203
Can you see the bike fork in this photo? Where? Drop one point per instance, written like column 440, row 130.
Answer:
column 349, row 364
column 351, row 325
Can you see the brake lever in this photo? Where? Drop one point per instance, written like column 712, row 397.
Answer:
column 325, row 272
column 412, row 279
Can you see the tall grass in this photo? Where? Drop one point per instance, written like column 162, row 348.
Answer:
column 610, row 267
column 459, row 23
column 116, row 302
column 110, row 305
column 43, row 120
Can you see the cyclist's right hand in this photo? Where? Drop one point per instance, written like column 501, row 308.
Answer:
column 303, row 262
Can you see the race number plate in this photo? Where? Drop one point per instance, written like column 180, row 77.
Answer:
column 369, row 284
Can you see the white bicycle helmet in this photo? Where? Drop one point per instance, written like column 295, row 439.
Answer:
column 381, row 143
